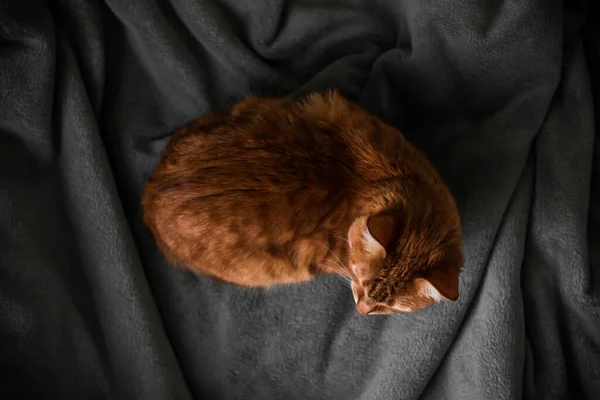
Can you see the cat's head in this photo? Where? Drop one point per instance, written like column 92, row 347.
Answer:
column 402, row 264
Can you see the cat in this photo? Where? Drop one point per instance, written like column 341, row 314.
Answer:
column 275, row 191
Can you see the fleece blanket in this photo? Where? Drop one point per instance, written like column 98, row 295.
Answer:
column 498, row 94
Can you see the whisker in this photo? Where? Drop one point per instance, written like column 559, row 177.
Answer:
column 346, row 283
column 343, row 278
column 405, row 317
column 341, row 238
column 337, row 272
column 399, row 317
column 345, row 270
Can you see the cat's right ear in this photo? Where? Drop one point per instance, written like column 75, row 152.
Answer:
column 442, row 282
column 382, row 227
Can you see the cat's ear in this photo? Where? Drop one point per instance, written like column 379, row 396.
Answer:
column 442, row 282
column 382, row 228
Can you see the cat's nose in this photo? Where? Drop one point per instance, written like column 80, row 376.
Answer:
column 364, row 307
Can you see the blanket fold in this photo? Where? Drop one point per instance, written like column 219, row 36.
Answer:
column 501, row 96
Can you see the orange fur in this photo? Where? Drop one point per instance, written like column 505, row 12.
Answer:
column 273, row 191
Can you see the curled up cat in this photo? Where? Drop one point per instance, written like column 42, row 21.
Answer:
column 274, row 191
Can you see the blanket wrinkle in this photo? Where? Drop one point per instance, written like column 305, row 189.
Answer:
column 501, row 96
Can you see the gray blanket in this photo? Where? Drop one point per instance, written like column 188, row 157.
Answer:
column 499, row 94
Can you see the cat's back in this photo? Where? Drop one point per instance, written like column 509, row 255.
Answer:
column 263, row 159
column 267, row 145
column 276, row 152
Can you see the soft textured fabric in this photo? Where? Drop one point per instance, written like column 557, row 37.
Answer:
column 498, row 94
